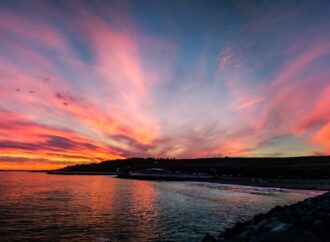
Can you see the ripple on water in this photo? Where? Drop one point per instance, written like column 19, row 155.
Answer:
column 37, row 206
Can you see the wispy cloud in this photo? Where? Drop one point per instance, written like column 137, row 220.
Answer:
column 86, row 82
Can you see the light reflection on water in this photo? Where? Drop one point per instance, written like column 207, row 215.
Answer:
column 37, row 206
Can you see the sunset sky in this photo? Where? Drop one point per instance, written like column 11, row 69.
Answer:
column 85, row 81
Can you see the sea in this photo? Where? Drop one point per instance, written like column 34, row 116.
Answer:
column 36, row 206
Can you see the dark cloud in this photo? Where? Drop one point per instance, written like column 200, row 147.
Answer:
column 15, row 159
column 67, row 97
column 67, row 156
column 131, row 142
column 88, row 145
column 52, row 142
column 59, row 142
column 5, row 144
column 59, row 95
column 56, row 142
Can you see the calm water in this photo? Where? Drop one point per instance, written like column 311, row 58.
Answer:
column 41, row 207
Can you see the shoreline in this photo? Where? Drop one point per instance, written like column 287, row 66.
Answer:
column 307, row 221
column 81, row 173
column 301, row 184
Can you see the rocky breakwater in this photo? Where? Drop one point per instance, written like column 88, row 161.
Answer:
column 306, row 221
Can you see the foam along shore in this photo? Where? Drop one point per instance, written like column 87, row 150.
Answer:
column 306, row 221
column 165, row 175
column 305, row 184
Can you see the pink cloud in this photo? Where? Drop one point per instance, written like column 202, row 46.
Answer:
column 54, row 147
column 226, row 58
column 249, row 103
column 131, row 93
column 322, row 137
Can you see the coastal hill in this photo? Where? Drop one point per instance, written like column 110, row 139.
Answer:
column 311, row 167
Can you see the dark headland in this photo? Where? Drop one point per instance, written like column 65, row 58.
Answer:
column 312, row 172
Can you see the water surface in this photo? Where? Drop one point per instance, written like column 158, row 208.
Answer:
column 41, row 207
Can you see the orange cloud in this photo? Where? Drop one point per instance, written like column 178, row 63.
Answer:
column 29, row 142
column 323, row 137
column 98, row 86
column 120, row 66
column 38, row 89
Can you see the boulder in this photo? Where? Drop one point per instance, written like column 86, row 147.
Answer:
column 289, row 236
column 326, row 221
column 282, row 227
column 208, row 238
column 325, row 237
column 318, row 227
column 307, row 220
column 262, row 226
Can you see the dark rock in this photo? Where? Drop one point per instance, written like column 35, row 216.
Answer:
column 325, row 237
column 307, row 236
column 298, row 212
column 276, row 211
column 237, row 240
column 306, row 220
column 238, row 228
column 260, row 217
column 294, row 236
column 320, row 213
column 282, row 227
column 262, row 226
column 208, row 238
column 318, row 227
column 221, row 239
column 326, row 220
column 243, row 235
